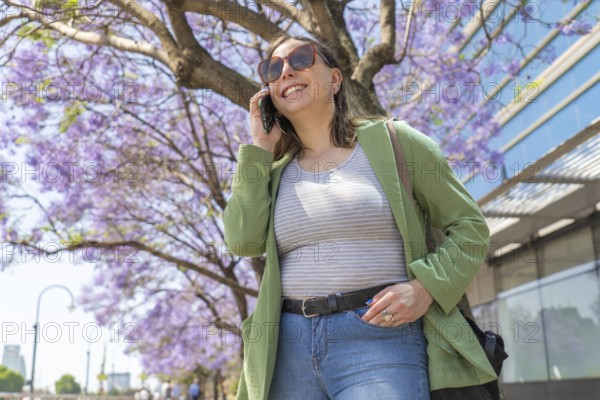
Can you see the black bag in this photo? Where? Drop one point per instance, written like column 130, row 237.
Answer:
column 493, row 345
column 491, row 342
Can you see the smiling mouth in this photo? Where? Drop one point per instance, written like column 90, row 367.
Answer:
column 292, row 90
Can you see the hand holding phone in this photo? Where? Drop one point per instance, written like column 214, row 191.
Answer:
column 267, row 112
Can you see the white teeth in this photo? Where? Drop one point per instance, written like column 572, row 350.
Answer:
column 293, row 89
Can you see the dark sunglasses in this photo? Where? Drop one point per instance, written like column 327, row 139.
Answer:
column 301, row 58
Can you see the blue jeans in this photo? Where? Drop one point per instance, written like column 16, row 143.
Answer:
column 342, row 357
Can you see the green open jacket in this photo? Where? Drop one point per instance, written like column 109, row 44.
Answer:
column 455, row 357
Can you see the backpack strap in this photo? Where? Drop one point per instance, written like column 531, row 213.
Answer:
column 433, row 238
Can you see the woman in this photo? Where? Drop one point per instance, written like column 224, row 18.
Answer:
column 351, row 305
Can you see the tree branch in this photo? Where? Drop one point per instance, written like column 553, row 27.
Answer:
column 330, row 27
column 142, row 247
column 283, row 8
column 212, row 180
column 383, row 53
column 199, row 292
column 231, row 11
column 183, row 31
column 147, row 18
column 96, row 39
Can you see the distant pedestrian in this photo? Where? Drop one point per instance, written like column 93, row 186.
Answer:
column 167, row 390
column 144, row 394
column 176, row 393
column 194, row 390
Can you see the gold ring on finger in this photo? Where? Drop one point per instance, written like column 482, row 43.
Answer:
column 387, row 316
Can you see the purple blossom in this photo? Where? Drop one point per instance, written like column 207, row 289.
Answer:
column 574, row 27
column 514, row 67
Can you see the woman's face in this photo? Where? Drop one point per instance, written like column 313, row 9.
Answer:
column 307, row 90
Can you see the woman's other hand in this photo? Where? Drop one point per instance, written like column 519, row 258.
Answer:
column 261, row 139
column 405, row 302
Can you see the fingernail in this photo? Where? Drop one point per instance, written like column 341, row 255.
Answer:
column 368, row 301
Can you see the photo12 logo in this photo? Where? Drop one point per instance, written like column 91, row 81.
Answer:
column 91, row 172
column 54, row 252
column 468, row 11
column 66, row 91
column 82, row 11
column 54, row 332
column 471, row 92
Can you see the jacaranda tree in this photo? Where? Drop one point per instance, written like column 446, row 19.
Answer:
column 121, row 122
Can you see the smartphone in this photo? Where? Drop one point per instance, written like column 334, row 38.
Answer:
column 267, row 112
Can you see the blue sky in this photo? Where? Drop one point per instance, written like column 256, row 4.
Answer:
column 63, row 340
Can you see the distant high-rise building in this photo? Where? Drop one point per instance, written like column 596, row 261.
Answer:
column 22, row 369
column 119, row 381
column 12, row 359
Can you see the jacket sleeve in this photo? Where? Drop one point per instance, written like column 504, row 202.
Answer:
column 246, row 215
column 448, row 270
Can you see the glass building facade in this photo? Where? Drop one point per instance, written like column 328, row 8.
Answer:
column 541, row 286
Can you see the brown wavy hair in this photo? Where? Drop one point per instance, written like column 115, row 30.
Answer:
column 345, row 120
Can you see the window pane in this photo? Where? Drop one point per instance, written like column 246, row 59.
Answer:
column 520, row 320
column 571, row 250
column 571, row 318
column 485, row 316
column 518, row 269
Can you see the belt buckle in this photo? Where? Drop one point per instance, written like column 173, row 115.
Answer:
column 304, row 308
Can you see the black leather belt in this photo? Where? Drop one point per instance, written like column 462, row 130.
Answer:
column 333, row 303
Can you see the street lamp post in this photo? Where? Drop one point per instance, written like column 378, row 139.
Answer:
column 37, row 324
column 112, row 380
column 87, row 368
